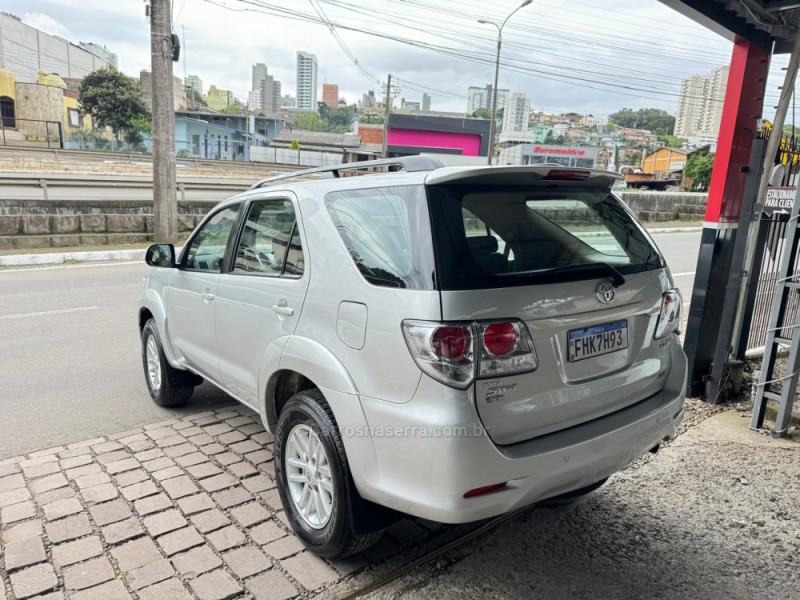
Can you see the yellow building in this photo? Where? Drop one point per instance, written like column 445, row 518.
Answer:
column 219, row 99
column 663, row 162
column 26, row 107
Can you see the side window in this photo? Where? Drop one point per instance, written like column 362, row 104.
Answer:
column 270, row 243
column 207, row 248
column 387, row 234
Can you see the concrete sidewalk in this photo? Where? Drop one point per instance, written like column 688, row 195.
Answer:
column 75, row 255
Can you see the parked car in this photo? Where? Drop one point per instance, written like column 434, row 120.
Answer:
column 451, row 343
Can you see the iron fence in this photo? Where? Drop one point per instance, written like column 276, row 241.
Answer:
column 31, row 133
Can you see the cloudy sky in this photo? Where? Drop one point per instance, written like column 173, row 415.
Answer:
column 592, row 56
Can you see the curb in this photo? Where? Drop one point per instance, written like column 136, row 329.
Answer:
column 60, row 258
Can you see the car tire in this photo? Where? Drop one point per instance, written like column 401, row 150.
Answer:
column 573, row 496
column 314, row 482
column 167, row 385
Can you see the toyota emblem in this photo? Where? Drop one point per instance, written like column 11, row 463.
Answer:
column 604, row 293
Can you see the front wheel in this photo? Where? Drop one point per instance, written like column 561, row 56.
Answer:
column 167, row 385
column 314, row 479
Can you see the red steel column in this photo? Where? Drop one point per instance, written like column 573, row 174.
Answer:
column 744, row 100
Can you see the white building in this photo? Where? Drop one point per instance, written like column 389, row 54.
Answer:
column 194, row 83
column 478, row 97
column 517, row 113
column 700, row 104
column 24, row 50
column 306, row 81
column 591, row 121
column 426, row 102
column 254, row 102
column 101, row 51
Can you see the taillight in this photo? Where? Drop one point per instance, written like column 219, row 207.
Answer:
column 565, row 175
column 500, row 339
column 506, row 349
column 456, row 353
column 669, row 319
column 451, row 343
column 444, row 351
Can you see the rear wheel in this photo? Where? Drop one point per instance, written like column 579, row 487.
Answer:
column 314, row 479
column 167, row 385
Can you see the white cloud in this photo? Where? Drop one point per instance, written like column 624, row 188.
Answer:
column 47, row 24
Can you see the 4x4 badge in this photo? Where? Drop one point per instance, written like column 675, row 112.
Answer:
column 604, row 293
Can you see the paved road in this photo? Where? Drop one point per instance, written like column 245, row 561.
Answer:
column 69, row 351
column 69, row 348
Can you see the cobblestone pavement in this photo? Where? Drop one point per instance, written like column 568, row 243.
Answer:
column 185, row 508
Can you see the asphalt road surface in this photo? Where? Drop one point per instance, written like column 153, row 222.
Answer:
column 70, row 361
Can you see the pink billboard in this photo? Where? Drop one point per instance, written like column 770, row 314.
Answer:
column 469, row 144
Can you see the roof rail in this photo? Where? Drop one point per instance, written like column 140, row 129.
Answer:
column 409, row 164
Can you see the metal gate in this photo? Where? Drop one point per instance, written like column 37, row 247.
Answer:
column 771, row 247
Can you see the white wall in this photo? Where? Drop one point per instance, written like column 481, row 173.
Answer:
column 24, row 50
column 308, row 158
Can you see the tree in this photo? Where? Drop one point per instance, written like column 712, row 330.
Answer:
column 609, row 127
column 698, row 168
column 482, row 113
column 672, row 141
column 113, row 99
column 236, row 107
column 653, row 119
column 309, row 121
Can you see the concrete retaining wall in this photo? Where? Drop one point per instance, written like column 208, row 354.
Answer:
column 38, row 224
column 667, row 206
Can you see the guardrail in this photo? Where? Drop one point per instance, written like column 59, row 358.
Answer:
column 132, row 157
column 115, row 183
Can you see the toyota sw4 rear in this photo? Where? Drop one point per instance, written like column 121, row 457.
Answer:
column 458, row 343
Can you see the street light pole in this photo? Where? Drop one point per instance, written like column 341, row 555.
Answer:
column 492, row 125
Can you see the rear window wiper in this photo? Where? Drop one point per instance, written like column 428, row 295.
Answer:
column 592, row 268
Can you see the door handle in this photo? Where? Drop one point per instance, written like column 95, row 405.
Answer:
column 282, row 309
column 207, row 296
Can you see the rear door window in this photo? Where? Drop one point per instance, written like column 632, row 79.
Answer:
column 488, row 237
column 387, row 233
column 270, row 243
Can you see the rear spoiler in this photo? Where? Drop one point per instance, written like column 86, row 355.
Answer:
column 523, row 175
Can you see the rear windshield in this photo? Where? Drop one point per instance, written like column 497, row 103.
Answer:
column 490, row 237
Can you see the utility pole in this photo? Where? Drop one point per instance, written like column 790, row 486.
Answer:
column 165, row 205
column 386, row 105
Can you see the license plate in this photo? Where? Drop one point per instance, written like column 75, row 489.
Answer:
column 597, row 340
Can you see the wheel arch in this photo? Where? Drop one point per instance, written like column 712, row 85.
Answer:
column 304, row 364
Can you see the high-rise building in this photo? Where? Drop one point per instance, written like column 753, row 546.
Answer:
column 408, row 105
column 482, row 98
column 426, row 102
column 517, row 113
column 330, row 95
column 368, row 101
column 306, row 81
column 194, row 83
column 259, row 75
column 288, row 101
column 700, row 104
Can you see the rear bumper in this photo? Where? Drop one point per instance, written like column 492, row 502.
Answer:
column 432, row 450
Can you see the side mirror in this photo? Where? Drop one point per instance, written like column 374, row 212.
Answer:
column 160, row 255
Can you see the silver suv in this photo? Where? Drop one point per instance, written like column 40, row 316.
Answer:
column 446, row 342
